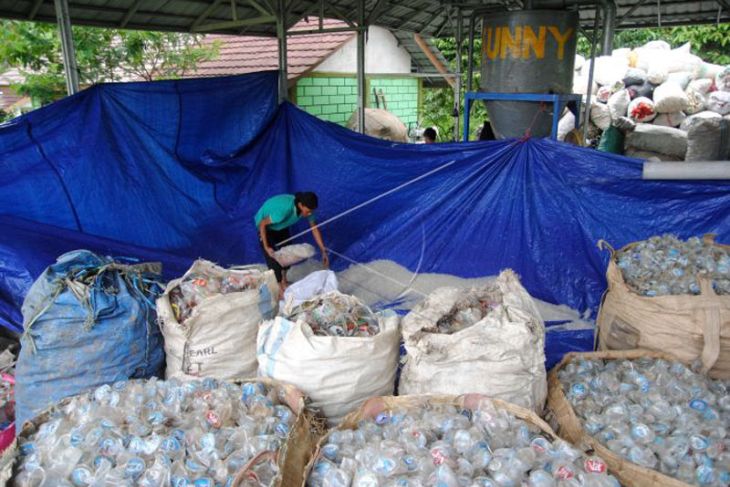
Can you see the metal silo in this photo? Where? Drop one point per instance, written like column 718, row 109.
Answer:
column 527, row 51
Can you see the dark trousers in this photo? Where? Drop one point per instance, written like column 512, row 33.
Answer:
column 275, row 237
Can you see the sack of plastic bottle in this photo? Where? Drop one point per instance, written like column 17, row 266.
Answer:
column 653, row 419
column 488, row 340
column 449, row 441
column 669, row 295
column 209, row 319
column 334, row 349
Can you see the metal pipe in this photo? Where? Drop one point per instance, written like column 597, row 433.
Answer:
column 686, row 170
column 67, row 46
column 457, row 87
column 361, row 94
column 281, row 36
column 609, row 26
column 470, row 54
column 589, row 90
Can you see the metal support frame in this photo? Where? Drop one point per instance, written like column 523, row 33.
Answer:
column 281, row 36
column 67, row 46
column 361, row 94
column 559, row 103
column 457, row 86
column 589, row 90
column 609, row 26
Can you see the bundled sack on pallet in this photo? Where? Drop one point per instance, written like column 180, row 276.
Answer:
column 204, row 433
column 88, row 320
column 669, row 295
column 210, row 317
column 333, row 348
column 655, row 138
column 708, row 137
column 653, row 419
column 449, row 441
column 489, row 340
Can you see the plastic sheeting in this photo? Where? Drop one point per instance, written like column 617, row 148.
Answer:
column 182, row 166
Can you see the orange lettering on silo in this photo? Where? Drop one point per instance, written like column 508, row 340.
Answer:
column 560, row 38
column 508, row 42
column 536, row 42
column 490, row 43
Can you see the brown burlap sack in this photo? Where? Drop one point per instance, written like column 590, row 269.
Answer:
column 687, row 326
column 571, row 427
column 292, row 458
column 373, row 406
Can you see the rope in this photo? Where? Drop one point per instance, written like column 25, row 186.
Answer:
column 528, row 130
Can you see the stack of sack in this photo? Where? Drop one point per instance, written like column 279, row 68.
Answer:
column 680, row 104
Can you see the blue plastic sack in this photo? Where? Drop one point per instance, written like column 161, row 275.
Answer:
column 88, row 320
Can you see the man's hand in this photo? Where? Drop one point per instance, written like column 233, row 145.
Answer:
column 325, row 259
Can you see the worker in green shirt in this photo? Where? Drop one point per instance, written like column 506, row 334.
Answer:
column 273, row 220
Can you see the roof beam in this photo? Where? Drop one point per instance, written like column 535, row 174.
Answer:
column 233, row 24
column 34, row 9
column 258, row 7
column 376, row 11
column 132, row 10
column 206, row 13
column 423, row 45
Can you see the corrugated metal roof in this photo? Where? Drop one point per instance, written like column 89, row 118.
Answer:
column 428, row 17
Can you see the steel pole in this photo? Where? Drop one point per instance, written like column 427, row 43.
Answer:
column 457, row 86
column 361, row 94
column 281, row 37
column 67, row 47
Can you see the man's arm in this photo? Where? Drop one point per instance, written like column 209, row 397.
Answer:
column 262, row 233
column 318, row 238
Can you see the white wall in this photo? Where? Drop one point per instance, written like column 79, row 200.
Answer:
column 382, row 55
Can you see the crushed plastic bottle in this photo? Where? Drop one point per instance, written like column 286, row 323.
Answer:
column 196, row 287
column 666, row 265
column 658, row 414
column 472, row 308
column 440, row 445
column 159, row 433
column 335, row 314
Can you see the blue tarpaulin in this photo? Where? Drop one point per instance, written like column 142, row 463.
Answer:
column 180, row 168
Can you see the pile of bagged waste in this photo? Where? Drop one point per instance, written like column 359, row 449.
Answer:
column 449, row 441
column 155, row 433
column 674, row 105
column 337, row 314
column 656, row 413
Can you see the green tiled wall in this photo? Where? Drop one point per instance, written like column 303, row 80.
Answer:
column 401, row 97
column 328, row 97
column 334, row 98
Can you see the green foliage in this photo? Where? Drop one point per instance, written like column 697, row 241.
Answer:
column 709, row 42
column 101, row 55
column 438, row 103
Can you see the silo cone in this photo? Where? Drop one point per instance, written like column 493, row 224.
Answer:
column 527, row 51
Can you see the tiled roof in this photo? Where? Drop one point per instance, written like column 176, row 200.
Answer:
column 246, row 54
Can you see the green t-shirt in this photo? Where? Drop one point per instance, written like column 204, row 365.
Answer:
column 282, row 211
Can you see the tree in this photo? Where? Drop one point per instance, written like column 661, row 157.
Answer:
column 101, row 54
